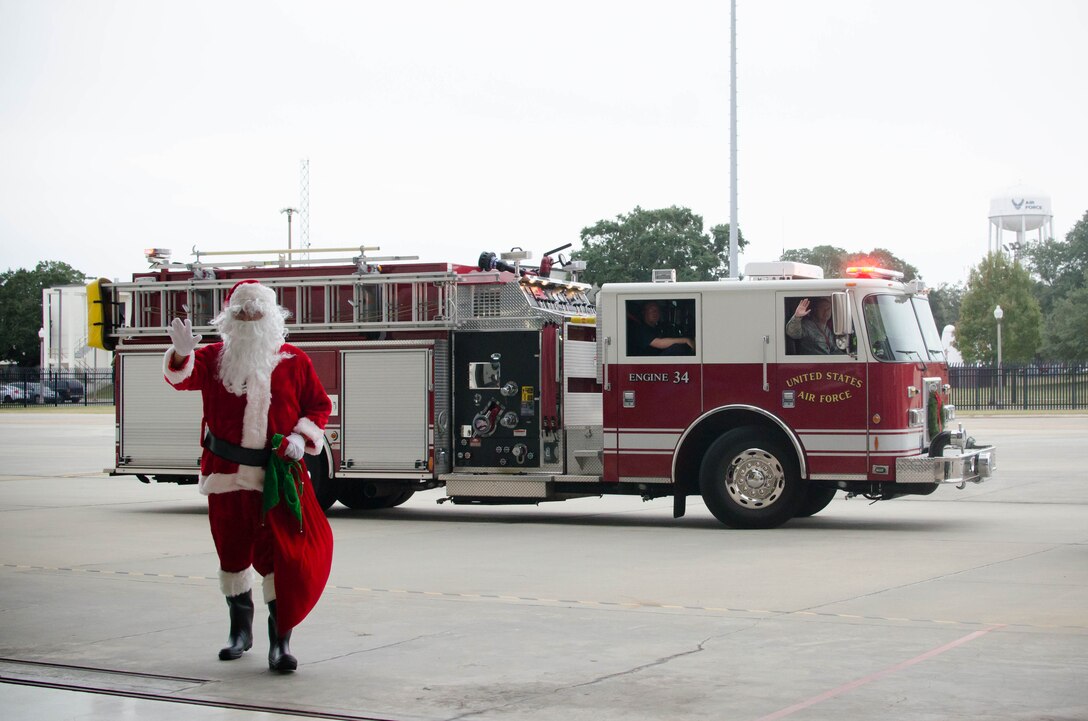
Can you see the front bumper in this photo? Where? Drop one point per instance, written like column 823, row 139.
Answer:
column 958, row 466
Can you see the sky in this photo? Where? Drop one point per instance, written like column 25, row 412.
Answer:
column 443, row 129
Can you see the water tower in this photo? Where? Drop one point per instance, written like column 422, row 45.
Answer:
column 1019, row 210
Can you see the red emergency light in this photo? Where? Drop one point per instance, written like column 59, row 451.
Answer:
column 870, row 271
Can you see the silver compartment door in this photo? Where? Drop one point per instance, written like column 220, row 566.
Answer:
column 160, row 426
column 383, row 409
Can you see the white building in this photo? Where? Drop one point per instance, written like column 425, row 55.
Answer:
column 64, row 332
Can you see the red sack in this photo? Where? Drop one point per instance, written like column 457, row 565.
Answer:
column 302, row 560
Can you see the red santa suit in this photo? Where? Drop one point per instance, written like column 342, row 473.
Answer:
column 291, row 400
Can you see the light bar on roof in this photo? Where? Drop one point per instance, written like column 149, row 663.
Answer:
column 870, row 271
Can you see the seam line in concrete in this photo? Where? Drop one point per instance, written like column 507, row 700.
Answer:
column 589, row 604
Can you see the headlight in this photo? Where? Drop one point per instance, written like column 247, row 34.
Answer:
column 914, row 417
column 949, row 413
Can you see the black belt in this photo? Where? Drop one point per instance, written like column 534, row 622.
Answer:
column 236, row 454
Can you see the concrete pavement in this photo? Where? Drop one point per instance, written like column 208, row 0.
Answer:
column 964, row 604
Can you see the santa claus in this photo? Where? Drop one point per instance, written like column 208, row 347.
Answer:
column 264, row 407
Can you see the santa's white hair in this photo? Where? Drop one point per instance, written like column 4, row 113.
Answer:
column 250, row 347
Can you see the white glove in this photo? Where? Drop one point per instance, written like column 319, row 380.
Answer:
column 181, row 334
column 296, row 446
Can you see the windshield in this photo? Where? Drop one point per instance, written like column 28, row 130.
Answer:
column 901, row 328
column 930, row 334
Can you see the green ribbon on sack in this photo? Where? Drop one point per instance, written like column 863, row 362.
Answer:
column 283, row 482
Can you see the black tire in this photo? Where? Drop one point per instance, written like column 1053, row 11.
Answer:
column 399, row 498
column 750, row 480
column 7, row 399
column 354, row 495
column 816, row 500
column 324, row 487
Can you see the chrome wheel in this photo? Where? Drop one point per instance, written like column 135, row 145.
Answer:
column 754, row 478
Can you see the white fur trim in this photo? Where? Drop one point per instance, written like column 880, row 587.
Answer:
column 258, row 401
column 314, row 435
column 251, row 478
column 235, row 583
column 177, row 376
column 268, row 587
column 248, row 478
column 252, row 291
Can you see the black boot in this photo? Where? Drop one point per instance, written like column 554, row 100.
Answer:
column 279, row 649
column 241, row 626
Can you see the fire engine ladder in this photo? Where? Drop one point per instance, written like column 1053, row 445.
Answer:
column 344, row 300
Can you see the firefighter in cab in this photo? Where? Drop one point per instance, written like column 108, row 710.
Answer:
column 652, row 337
column 811, row 326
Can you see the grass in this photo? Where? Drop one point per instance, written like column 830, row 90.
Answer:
column 1018, row 411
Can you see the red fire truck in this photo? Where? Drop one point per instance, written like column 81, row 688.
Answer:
column 505, row 383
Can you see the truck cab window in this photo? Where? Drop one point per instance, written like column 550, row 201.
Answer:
column 807, row 326
column 660, row 327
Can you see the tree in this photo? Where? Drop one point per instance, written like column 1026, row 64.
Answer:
column 21, row 308
column 630, row 247
column 1060, row 265
column 945, row 301
column 1066, row 338
column 1062, row 269
column 998, row 281
column 835, row 261
column 828, row 257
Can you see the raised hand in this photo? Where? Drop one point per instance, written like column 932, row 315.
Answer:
column 181, row 335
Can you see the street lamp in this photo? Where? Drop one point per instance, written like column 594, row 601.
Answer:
column 998, row 315
column 290, row 212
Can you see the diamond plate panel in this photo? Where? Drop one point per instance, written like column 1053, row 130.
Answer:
column 496, row 488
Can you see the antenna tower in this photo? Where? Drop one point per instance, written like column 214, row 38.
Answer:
column 304, row 206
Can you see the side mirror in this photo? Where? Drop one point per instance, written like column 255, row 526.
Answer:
column 842, row 322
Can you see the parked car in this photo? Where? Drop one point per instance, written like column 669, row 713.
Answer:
column 11, row 393
column 40, row 393
column 68, row 391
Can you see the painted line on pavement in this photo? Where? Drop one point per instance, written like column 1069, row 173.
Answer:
column 790, row 710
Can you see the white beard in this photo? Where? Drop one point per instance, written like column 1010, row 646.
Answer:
column 250, row 350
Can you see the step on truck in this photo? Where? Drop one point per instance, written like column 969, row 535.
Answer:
column 505, row 382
